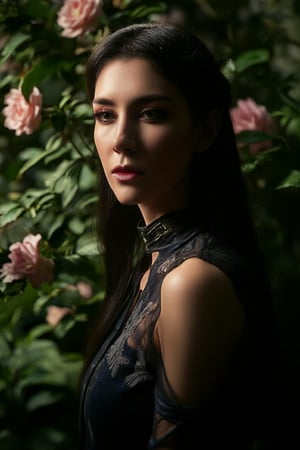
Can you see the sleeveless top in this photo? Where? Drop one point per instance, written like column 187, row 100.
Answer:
column 126, row 401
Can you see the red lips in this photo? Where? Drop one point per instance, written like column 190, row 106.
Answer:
column 126, row 173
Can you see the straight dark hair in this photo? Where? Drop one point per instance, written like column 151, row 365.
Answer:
column 218, row 196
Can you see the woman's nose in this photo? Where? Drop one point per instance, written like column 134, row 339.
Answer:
column 125, row 139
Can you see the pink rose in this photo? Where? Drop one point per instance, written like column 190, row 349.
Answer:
column 248, row 115
column 76, row 17
column 56, row 313
column 21, row 115
column 26, row 261
column 84, row 289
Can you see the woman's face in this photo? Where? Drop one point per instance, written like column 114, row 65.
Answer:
column 144, row 135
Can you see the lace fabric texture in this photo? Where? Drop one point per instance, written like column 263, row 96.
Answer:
column 127, row 401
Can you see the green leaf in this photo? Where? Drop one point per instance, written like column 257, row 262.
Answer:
column 37, row 9
column 249, row 166
column 66, row 96
column 76, row 226
column 41, row 399
column 40, row 303
column 47, row 438
column 4, row 347
column 41, row 71
column 252, row 136
column 291, row 181
column 11, row 216
column 251, row 58
column 29, row 197
column 45, row 201
column 30, row 153
column 83, row 110
column 57, row 154
column 88, row 178
column 67, row 185
column 64, row 326
column 54, row 142
column 16, row 40
column 32, row 162
column 24, row 295
column 8, row 79
column 7, row 207
column 87, row 200
column 70, row 192
column 56, row 224
column 52, row 145
column 144, row 11
column 87, row 246
column 38, row 331
column 56, row 176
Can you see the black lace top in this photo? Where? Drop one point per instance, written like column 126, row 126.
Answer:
column 126, row 400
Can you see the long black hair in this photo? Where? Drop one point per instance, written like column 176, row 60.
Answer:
column 218, row 196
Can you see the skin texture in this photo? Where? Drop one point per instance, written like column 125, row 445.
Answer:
column 156, row 137
column 143, row 124
column 198, row 299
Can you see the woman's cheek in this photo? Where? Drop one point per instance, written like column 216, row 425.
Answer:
column 158, row 139
column 100, row 141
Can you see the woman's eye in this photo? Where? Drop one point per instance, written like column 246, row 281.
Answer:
column 153, row 115
column 103, row 116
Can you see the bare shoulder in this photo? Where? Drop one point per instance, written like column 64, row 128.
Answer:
column 199, row 327
column 196, row 282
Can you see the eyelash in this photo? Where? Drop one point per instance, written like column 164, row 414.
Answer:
column 158, row 115
column 99, row 116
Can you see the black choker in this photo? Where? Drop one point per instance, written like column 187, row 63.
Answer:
column 158, row 233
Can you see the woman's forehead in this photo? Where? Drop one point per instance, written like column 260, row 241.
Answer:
column 133, row 77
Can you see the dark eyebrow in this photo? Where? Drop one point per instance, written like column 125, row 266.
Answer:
column 138, row 100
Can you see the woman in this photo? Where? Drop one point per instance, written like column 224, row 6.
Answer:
column 178, row 358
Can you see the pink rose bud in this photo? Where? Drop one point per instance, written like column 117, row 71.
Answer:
column 248, row 115
column 26, row 261
column 56, row 313
column 21, row 115
column 77, row 17
column 84, row 289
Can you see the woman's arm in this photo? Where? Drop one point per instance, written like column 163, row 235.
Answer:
column 199, row 328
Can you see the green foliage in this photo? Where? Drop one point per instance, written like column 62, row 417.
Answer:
column 48, row 185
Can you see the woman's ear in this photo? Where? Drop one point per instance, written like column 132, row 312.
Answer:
column 207, row 130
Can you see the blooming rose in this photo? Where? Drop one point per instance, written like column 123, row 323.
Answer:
column 56, row 313
column 21, row 115
column 26, row 261
column 248, row 115
column 77, row 17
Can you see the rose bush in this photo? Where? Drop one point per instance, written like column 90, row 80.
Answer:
column 21, row 115
column 248, row 115
column 26, row 261
column 77, row 17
